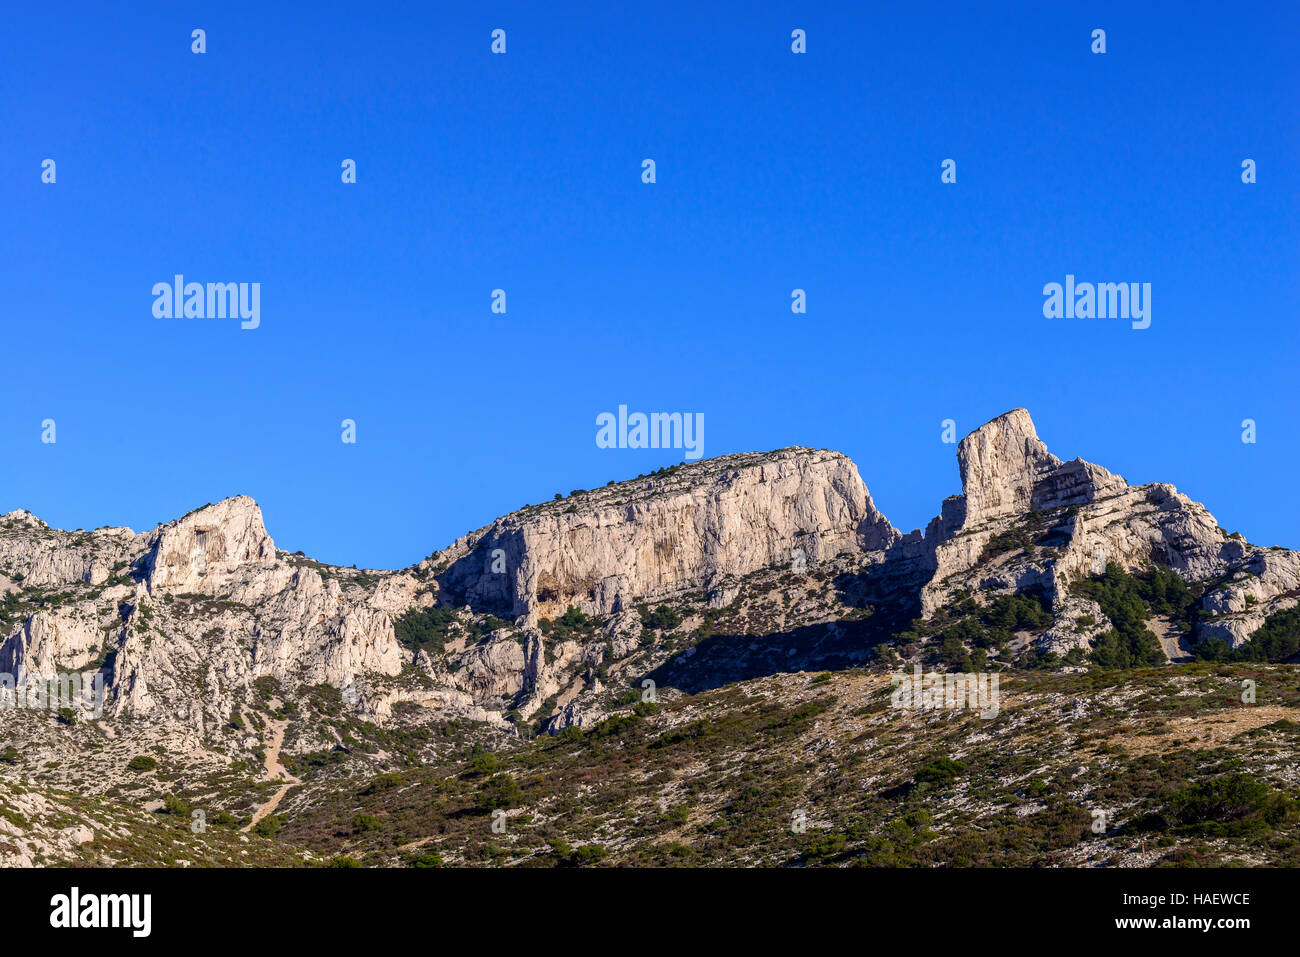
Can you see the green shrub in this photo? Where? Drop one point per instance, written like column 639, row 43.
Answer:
column 269, row 826
column 427, row 629
column 573, row 624
column 500, row 791
column 690, row 732
column 991, row 626
column 823, row 847
column 1013, row 539
column 587, row 854
column 486, row 763
column 13, row 817
column 1128, row 601
column 174, row 805
column 384, row 782
column 142, row 762
column 1230, row 806
column 662, row 618
column 940, row 771
column 678, row 814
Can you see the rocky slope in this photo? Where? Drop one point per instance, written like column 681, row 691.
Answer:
column 818, row 770
column 211, row 643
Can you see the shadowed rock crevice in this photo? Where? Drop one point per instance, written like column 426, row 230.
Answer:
column 725, row 659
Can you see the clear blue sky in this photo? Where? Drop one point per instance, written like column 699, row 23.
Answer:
column 523, row 171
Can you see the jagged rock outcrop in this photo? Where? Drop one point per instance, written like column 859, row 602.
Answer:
column 1010, row 479
column 204, row 602
column 49, row 642
column 319, row 636
column 1266, row 581
column 1006, row 470
column 38, row 555
column 1085, row 517
column 196, row 552
column 1002, row 463
column 495, row 667
column 664, row 535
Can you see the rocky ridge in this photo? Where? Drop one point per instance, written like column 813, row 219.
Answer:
column 648, row 540
column 206, row 635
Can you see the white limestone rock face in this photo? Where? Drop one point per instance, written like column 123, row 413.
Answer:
column 1011, row 481
column 575, row 714
column 1085, row 517
column 1002, row 463
column 440, row 702
column 1007, row 472
column 1078, row 623
column 35, row 555
column 215, row 608
column 398, row 593
column 314, row 634
column 196, row 553
column 664, row 535
column 494, row 668
column 51, row 642
column 1268, row 581
column 1143, row 524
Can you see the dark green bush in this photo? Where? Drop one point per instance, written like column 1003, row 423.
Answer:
column 662, row 618
column 940, row 771
column 1128, row 601
column 500, row 791
column 1229, row 806
column 174, row 805
column 426, row 629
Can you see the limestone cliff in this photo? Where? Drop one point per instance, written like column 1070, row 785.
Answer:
column 204, row 602
column 646, row 540
column 198, row 552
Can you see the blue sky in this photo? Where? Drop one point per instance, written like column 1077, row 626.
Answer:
column 522, row 171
